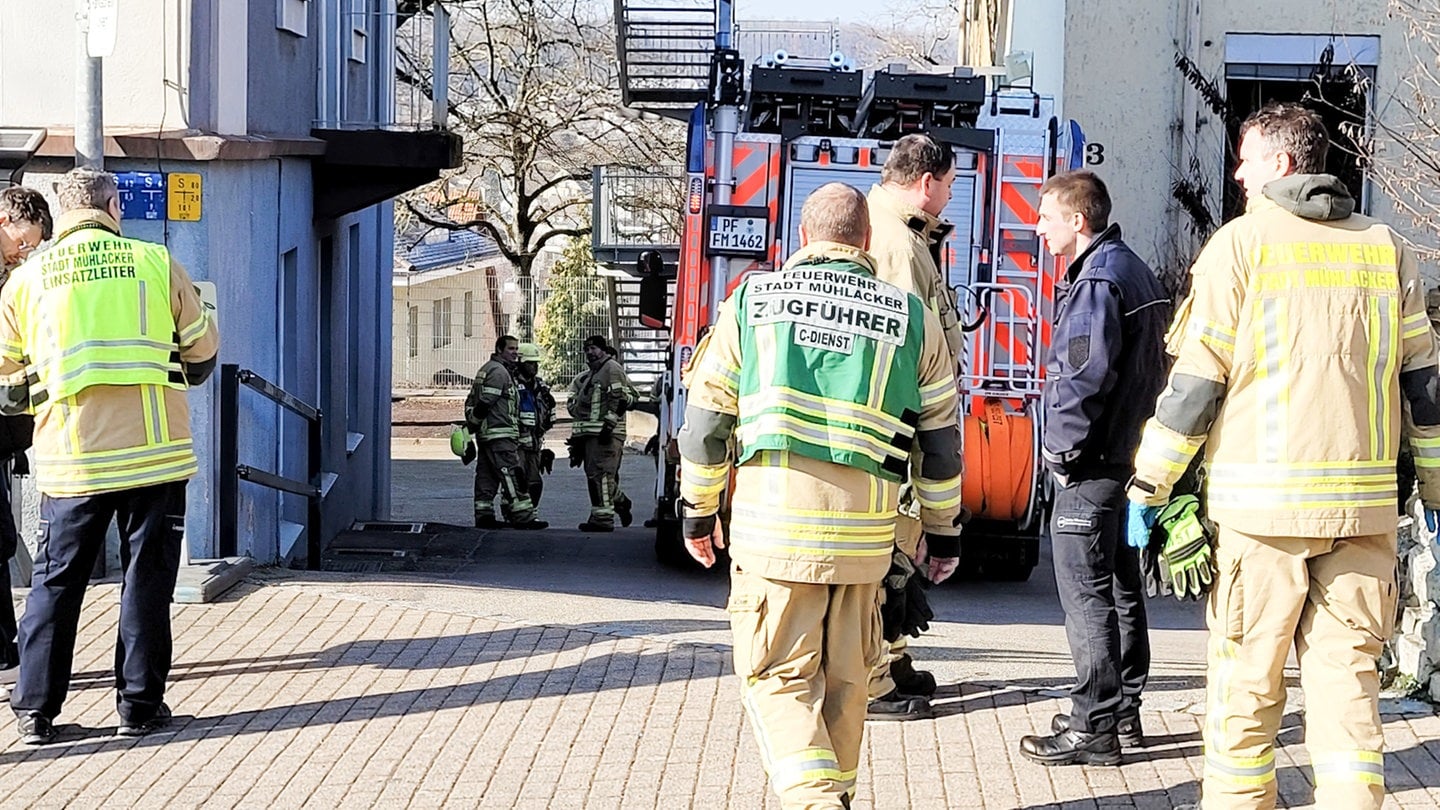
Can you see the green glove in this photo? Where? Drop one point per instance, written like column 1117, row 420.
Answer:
column 1186, row 560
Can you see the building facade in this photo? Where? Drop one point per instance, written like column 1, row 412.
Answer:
column 1159, row 89
column 270, row 128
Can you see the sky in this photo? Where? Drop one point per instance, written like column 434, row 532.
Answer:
column 817, row 10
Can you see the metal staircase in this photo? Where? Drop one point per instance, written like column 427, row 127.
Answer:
column 644, row 352
column 664, row 47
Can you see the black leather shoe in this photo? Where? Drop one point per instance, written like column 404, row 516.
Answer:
column 587, row 526
column 35, row 728
column 1072, row 747
column 531, row 525
column 133, row 728
column 896, row 706
column 1127, row 728
column 488, row 522
column 909, row 680
column 622, row 509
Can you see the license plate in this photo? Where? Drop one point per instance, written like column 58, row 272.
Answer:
column 738, row 233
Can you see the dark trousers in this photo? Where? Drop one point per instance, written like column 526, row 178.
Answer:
column 1098, row 577
column 9, row 543
column 72, row 534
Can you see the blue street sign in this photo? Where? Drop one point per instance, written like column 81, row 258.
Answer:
column 142, row 195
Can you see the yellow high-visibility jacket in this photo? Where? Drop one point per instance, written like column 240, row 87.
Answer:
column 1304, row 329
column 802, row 519
column 100, row 336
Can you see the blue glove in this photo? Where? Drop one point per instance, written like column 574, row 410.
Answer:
column 1139, row 519
column 1432, row 519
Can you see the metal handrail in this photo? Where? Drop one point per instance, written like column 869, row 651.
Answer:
column 232, row 471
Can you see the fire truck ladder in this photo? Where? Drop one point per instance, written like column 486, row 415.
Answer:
column 664, row 48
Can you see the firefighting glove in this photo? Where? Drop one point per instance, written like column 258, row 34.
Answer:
column 1186, row 559
column 1150, row 567
column 906, row 611
column 20, row 465
column 547, row 460
column 577, row 451
column 1139, row 520
column 469, row 454
column 607, row 431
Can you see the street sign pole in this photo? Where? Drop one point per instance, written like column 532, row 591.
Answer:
column 94, row 40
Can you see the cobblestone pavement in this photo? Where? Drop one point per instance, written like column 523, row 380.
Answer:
column 332, row 690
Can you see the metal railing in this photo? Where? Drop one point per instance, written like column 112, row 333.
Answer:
column 232, row 471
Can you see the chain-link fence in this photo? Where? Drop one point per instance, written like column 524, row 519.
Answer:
column 446, row 322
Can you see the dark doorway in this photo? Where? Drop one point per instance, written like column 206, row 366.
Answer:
column 1337, row 93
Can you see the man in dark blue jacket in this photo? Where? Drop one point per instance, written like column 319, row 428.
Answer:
column 1106, row 367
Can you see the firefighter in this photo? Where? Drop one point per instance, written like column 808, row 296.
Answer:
column 25, row 222
column 598, row 406
column 1110, row 320
column 100, row 337
column 537, row 416
column 812, row 513
column 905, row 208
column 1298, row 302
column 492, row 413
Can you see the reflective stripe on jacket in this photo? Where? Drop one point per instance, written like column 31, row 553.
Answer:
column 112, row 417
column 804, row 519
column 492, row 409
column 1293, row 349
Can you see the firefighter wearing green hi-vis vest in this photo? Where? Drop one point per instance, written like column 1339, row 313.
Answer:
column 100, row 337
column 819, row 387
column 492, row 415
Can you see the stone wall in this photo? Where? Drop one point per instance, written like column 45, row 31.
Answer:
column 1411, row 661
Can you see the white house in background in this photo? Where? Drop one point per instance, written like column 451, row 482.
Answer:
column 454, row 294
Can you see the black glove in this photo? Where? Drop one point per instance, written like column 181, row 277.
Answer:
column 607, row 432
column 906, row 611
column 917, row 607
column 1151, row 565
column 20, row 466
column 577, row 451
column 547, row 460
column 469, row 454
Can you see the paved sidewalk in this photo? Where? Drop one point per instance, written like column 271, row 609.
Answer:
column 328, row 690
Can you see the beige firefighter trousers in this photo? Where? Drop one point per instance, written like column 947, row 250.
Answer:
column 907, row 539
column 804, row 653
column 602, row 476
column 1335, row 601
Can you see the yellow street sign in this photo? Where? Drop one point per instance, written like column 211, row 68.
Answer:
column 183, row 195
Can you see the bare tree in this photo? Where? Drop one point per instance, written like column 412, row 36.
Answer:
column 922, row 33
column 1401, row 151
column 534, row 93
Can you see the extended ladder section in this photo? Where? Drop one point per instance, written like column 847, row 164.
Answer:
column 644, row 351
column 636, row 209
column 664, row 48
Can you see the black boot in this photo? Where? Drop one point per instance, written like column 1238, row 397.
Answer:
column 591, row 526
column 909, row 680
column 1127, row 727
column 622, row 508
column 488, row 522
column 1072, row 747
column 896, row 706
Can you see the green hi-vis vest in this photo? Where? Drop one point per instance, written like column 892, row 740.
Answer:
column 830, row 362
column 98, row 313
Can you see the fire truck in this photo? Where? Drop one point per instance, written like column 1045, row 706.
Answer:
column 761, row 137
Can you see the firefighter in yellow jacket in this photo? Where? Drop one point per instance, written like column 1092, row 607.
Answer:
column 905, row 207
column 1304, row 332
column 100, row 336
column 816, row 386
column 598, row 402
column 492, row 413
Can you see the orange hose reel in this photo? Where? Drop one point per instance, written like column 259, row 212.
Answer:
column 999, row 462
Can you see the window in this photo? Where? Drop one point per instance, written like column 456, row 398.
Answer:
column 359, row 28
column 292, row 16
column 440, row 320
column 469, row 314
column 412, row 331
